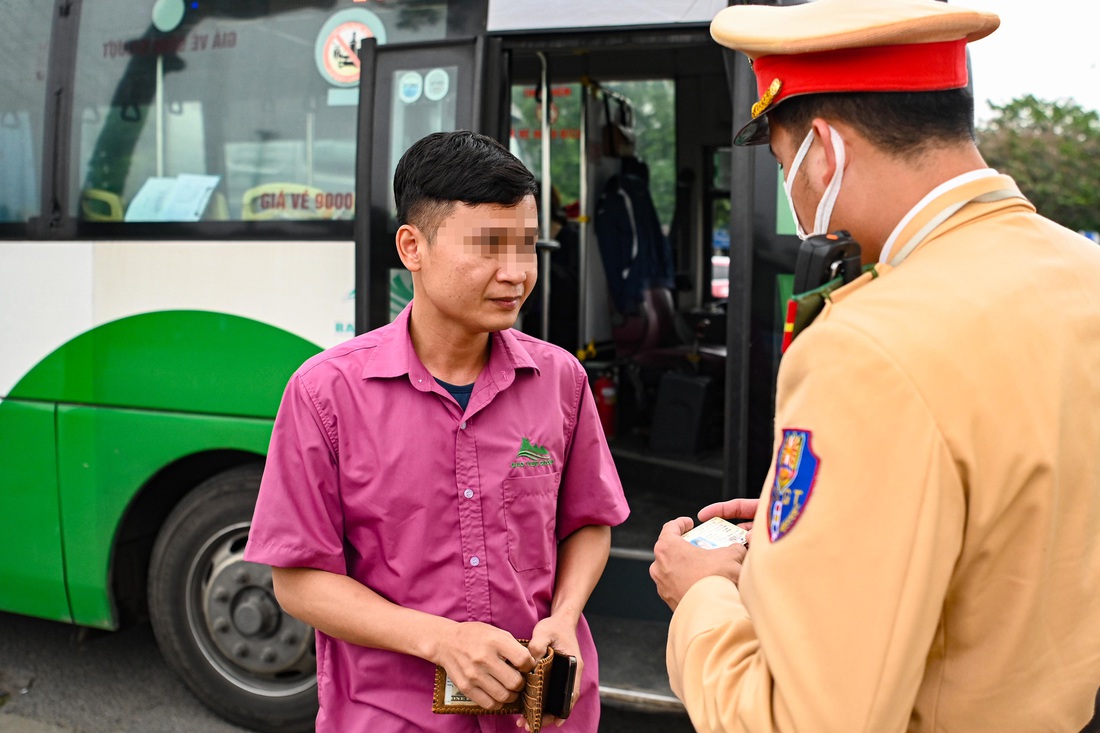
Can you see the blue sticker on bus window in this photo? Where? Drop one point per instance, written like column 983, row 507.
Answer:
column 795, row 473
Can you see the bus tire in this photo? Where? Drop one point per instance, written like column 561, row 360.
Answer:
column 215, row 617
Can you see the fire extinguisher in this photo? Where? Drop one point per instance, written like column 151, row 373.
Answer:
column 606, row 398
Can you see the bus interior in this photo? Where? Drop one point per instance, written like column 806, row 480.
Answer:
column 658, row 340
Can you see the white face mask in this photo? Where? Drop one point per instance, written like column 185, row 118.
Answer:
column 828, row 199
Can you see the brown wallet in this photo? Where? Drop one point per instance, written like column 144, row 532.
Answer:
column 531, row 703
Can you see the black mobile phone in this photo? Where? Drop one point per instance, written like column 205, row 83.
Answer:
column 558, row 700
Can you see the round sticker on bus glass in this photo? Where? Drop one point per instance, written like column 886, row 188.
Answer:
column 436, row 84
column 337, row 49
column 409, row 86
column 167, row 15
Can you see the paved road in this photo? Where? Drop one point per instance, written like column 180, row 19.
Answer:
column 97, row 682
column 93, row 682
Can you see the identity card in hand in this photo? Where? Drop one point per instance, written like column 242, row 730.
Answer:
column 715, row 532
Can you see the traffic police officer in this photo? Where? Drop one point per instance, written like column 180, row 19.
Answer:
column 926, row 551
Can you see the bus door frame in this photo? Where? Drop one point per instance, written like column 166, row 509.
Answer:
column 482, row 60
column 742, row 86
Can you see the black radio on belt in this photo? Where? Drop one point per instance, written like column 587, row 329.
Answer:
column 824, row 257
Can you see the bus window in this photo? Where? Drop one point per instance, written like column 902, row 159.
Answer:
column 654, row 122
column 565, row 134
column 655, row 128
column 654, row 125
column 23, row 59
column 424, row 101
column 718, row 196
column 225, row 111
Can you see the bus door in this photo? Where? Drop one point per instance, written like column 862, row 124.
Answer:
column 651, row 106
column 758, row 252
column 693, row 419
column 406, row 93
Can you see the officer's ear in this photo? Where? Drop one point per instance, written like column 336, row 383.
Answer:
column 824, row 134
column 410, row 243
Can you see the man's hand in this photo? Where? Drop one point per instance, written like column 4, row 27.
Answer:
column 559, row 632
column 678, row 565
column 484, row 662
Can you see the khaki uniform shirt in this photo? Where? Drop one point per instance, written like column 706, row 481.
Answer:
column 940, row 568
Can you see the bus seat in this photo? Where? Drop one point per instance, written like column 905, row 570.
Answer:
column 656, row 325
column 665, row 362
column 218, row 208
column 672, row 329
column 97, row 204
column 280, row 201
column 672, row 344
column 634, row 333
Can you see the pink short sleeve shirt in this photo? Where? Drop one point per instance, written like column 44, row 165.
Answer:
column 374, row 471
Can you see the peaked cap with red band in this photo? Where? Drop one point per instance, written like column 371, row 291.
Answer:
column 848, row 46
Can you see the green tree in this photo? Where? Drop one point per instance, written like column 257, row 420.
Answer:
column 654, row 123
column 565, row 147
column 1051, row 149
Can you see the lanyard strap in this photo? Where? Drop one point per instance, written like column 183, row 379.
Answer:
column 940, row 218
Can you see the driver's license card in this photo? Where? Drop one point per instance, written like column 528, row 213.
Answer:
column 715, row 532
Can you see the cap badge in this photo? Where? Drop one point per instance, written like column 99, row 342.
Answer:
column 769, row 95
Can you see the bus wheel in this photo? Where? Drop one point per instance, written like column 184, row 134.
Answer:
column 215, row 616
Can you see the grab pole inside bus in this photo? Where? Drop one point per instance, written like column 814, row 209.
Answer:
column 546, row 243
column 582, row 234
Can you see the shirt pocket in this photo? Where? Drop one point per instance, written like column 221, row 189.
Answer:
column 530, row 512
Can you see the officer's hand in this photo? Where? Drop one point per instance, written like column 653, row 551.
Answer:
column 485, row 663
column 732, row 510
column 678, row 564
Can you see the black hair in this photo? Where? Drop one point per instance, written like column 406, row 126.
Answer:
column 444, row 168
column 904, row 124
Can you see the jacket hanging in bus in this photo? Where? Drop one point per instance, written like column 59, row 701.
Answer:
column 635, row 251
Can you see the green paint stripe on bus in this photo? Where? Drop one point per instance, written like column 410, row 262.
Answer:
column 32, row 573
column 112, row 460
column 185, row 361
column 96, row 419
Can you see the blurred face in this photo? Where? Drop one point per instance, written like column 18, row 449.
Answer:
column 479, row 269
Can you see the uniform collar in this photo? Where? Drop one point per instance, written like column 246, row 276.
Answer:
column 394, row 356
column 971, row 190
column 962, row 188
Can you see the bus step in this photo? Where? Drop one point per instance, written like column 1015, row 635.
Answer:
column 632, row 664
column 625, row 589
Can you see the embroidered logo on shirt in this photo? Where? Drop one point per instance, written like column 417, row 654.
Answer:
column 531, row 455
column 795, row 472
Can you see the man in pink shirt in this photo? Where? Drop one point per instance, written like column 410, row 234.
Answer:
column 441, row 486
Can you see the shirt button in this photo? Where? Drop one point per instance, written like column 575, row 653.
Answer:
column 468, row 493
column 475, row 561
column 462, row 425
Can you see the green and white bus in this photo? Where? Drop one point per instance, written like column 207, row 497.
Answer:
column 186, row 216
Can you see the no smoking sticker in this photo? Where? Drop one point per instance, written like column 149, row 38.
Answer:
column 338, row 43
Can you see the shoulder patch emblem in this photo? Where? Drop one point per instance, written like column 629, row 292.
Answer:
column 795, row 473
